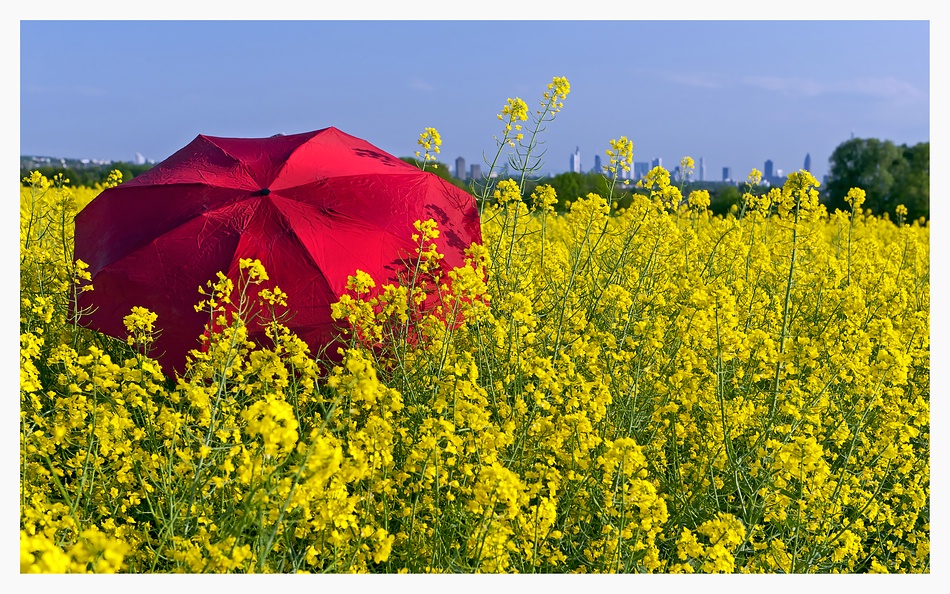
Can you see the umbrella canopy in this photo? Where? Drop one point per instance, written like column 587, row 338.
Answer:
column 312, row 207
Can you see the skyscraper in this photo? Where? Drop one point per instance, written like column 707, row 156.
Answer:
column 808, row 162
column 476, row 171
column 460, row 168
column 597, row 168
column 576, row 160
column 658, row 162
column 640, row 169
column 702, row 170
column 768, row 169
column 726, row 174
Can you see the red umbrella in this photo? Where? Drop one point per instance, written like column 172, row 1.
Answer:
column 312, row 207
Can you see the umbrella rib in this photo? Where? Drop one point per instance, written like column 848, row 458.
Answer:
column 288, row 192
column 289, row 195
column 240, row 162
column 286, row 224
column 341, row 215
column 335, row 214
column 211, row 140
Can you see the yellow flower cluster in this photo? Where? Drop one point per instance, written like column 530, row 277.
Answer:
column 553, row 98
column 140, row 325
column 431, row 141
column 514, row 111
column 619, row 157
column 593, row 391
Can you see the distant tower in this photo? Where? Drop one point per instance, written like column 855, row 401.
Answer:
column 726, row 174
column 808, row 162
column 640, row 169
column 476, row 171
column 139, row 159
column 658, row 162
column 576, row 160
column 702, row 170
column 597, row 166
column 460, row 168
column 768, row 169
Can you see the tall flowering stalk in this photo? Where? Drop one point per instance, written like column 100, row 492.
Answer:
column 619, row 160
column 431, row 142
column 512, row 114
column 855, row 199
column 799, row 196
column 524, row 160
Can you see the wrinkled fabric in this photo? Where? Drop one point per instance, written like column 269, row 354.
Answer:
column 312, row 207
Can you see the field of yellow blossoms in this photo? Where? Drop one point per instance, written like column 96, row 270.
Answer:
column 651, row 389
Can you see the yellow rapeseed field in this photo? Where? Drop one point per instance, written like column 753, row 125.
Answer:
column 653, row 389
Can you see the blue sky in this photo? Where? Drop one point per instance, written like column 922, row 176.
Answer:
column 734, row 93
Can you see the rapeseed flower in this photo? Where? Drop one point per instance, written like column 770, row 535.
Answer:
column 593, row 391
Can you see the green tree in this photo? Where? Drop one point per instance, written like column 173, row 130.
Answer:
column 723, row 197
column 88, row 176
column 889, row 174
column 568, row 186
column 913, row 181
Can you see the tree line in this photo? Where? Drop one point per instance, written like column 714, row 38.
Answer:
column 889, row 174
column 87, row 175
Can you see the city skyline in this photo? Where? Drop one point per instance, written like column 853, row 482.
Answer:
column 462, row 169
column 709, row 96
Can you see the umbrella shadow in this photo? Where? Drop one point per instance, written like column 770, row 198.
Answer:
column 448, row 229
column 442, row 218
column 379, row 156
